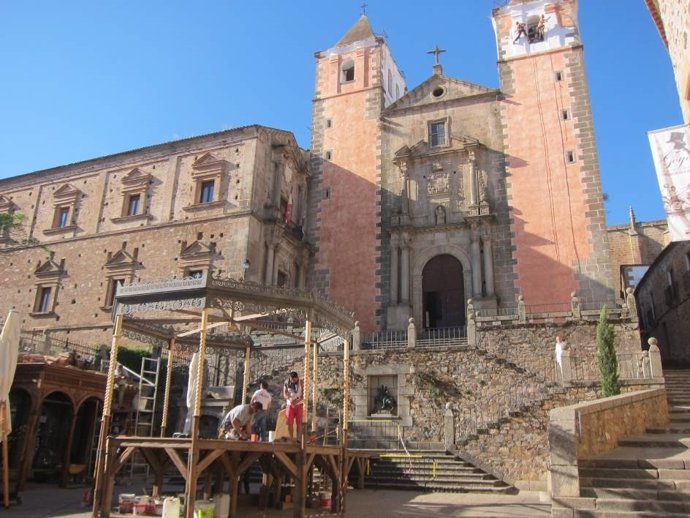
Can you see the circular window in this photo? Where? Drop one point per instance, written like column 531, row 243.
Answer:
column 438, row 92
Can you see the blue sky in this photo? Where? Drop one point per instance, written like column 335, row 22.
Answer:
column 81, row 79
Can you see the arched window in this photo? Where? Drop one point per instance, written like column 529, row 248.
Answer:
column 347, row 71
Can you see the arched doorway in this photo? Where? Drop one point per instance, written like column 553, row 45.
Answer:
column 20, row 408
column 443, row 292
column 85, row 437
column 51, row 439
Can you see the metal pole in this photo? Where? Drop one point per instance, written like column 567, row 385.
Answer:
column 346, row 417
column 307, row 372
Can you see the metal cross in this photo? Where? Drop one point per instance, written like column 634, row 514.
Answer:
column 436, row 52
column 364, row 8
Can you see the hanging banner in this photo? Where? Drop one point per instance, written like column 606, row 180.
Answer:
column 671, row 154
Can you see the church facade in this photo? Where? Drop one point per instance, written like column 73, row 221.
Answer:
column 408, row 204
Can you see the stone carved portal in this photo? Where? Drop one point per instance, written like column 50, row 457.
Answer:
column 443, row 292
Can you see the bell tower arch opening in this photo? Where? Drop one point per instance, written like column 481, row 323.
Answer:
column 443, row 292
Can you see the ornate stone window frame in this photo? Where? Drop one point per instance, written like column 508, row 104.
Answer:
column 205, row 169
column 65, row 201
column 135, row 183
column 48, row 276
column 119, row 268
column 196, row 257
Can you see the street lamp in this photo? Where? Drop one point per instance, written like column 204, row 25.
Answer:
column 245, row 267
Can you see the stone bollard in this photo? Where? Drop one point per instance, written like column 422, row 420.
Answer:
column 411, row 334
column 356, row 338
column 449, row 428
column 655, row 358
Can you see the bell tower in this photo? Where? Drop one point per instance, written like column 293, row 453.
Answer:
column 557, row 219
column 355, row 80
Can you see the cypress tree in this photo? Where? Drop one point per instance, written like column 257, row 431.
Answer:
column 607, row 362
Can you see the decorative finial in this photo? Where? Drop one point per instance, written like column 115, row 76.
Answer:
column 364, row 8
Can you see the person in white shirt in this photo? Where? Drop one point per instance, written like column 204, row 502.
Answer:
column 263, row 396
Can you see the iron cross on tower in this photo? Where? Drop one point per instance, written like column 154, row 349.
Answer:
column 364, row 8
column 436, row 52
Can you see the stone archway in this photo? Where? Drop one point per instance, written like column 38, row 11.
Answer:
column 443, row 293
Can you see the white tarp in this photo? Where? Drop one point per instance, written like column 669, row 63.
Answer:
column 671, row 154
column 9, row 351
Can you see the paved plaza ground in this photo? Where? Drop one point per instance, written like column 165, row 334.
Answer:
column 50, row 502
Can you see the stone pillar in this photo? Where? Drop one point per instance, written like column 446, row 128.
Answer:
column 448, row 429
column 655, row 358
column 270, row 259
column 395, row 276
column 631, row 304
column 411, row 334
column 356, row 338
column 405, row 272
column 575, row 307
column 471, row 324
column 476, row 264
column 488, row 265
column 522, row 310
column 405, row 193
column 474, row 191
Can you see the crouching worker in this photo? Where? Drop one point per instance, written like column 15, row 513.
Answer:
column 237, row 423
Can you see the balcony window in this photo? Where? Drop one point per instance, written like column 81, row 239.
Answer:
column 206, row 194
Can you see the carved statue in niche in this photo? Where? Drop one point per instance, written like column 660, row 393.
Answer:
column 440, row 215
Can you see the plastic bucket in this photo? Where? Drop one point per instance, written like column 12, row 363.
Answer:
column 203, row 509
column 171, row 507
column 126, row 503
column 141, row 505
column 325, row 501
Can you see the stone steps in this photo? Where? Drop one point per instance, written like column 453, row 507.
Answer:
column 646, row 475
column 431, row 471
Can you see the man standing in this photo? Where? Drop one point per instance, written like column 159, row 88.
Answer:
column 292, row 392
column 237, row 423
column 264, row 397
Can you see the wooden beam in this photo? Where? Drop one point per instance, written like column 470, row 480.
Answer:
column 208, row 460
column 177, row 460
column 286, row 462
column 247, row 461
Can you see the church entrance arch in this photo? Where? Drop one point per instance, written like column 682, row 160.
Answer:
column 443, row 292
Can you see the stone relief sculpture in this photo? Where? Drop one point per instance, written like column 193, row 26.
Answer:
column 437, row 184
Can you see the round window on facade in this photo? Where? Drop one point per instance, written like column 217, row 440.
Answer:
column 438, row 91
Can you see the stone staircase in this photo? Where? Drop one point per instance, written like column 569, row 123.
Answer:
column 647, row 475
column 433, row 471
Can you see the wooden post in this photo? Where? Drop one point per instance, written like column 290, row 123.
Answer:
column 247, row 372
column 314, row 389
column 346, row 417
column 306, row 379
column 168, row 381
column 194, row 449
column 105, row 422
column 5, row 458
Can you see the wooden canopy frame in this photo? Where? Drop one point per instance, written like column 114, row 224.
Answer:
column 177, row 310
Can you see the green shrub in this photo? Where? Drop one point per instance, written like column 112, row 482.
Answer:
column 607, row 363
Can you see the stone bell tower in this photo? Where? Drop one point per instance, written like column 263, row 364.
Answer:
column 355, row 80
column 557, row 216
